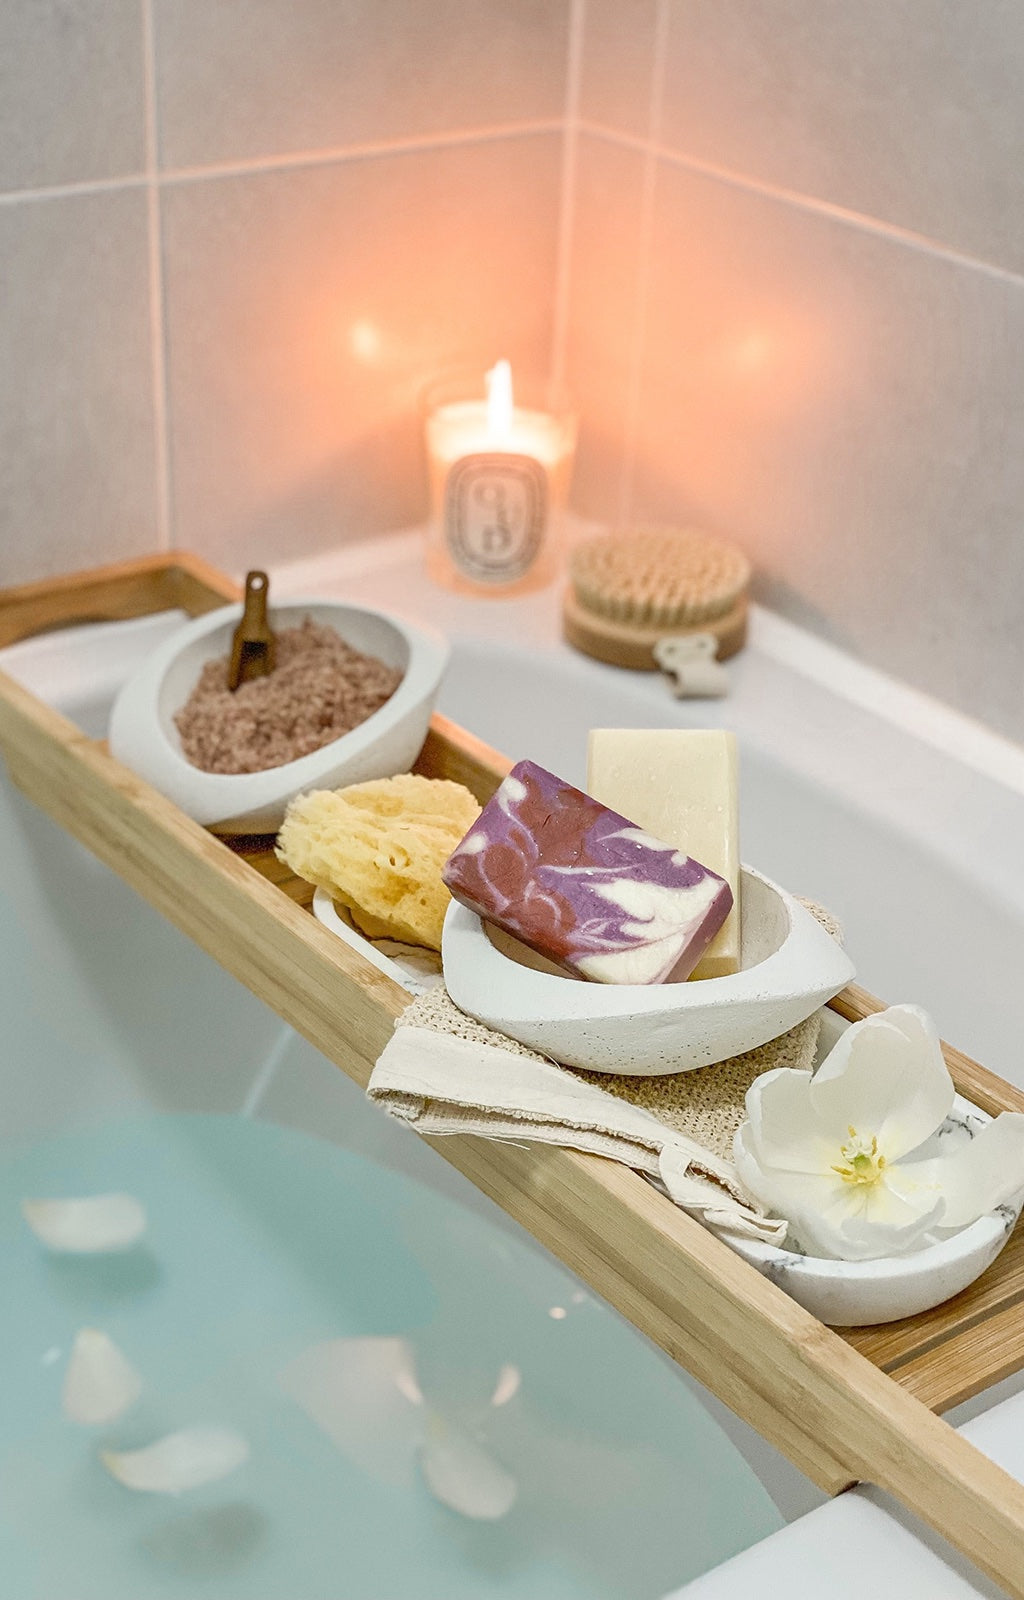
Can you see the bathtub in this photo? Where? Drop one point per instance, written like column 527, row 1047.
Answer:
column 317, row 1278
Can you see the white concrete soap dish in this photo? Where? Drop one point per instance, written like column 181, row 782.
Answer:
column 791, row 966
column 143, row 735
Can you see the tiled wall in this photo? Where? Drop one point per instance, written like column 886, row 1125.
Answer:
column 807, row 217
column 236, row 238
column 778, row 248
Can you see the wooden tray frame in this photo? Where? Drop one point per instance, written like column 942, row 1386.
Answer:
column 845, row 1406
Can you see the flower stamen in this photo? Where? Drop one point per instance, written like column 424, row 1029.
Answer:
column 861, row 1160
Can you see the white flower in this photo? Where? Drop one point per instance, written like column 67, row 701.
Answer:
column 834, row 1152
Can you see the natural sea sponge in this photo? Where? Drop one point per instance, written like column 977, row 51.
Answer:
column 378, row 849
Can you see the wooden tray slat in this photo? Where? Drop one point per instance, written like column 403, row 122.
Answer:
column 826, row 1398
column 169, row 582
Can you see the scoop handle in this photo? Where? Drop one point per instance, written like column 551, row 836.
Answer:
column 255, row 627
column 252, row 645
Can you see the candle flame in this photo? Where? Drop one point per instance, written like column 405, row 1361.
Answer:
column 499, row 400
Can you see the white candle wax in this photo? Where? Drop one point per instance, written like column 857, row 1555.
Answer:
column 462, row 429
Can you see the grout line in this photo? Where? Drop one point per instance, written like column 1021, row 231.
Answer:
column 645, row 234
column 158, row 335
column 362, row 152
column 807, row 203
column 293, row 161
column 67, row 191
column 567, row 199
column 514, row 130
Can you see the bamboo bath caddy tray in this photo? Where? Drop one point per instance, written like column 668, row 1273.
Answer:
column 845, row 1406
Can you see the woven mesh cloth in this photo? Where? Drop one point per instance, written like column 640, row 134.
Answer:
column 706, row 1104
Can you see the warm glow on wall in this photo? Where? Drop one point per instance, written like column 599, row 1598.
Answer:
column 365, row 341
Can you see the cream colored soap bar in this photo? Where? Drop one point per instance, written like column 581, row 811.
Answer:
column 681, row 785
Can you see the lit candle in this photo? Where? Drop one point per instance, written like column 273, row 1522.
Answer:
column 496, row 470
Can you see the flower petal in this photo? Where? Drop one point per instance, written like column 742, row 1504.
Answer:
column 886, row 1077
column 184, row 1460
column 90, row 1224
column 793, row 1195
column 827, row 1217
column 887, row 1223
column 785, row 1132
column 464, row 1476
column 363, row 1393
column 507, row 1387
column 100, row 1383
column 979, row 1176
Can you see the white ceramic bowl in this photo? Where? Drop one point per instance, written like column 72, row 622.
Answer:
column 143, row 735
column 855, row 1294
column 415, row 969
column 791, row 966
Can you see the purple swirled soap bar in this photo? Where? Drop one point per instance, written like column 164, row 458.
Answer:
column 583, row 886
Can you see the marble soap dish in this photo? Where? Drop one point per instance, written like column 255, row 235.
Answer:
column 857, row 1294
column 791, row 966
column 143, row 735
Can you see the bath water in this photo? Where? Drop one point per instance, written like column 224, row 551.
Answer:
column 336, row 1314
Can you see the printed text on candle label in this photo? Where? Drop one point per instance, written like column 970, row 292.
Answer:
column 495, row 511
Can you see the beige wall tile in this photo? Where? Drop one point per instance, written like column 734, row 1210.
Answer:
column 851, row 410
column 76, row 421
column 261, row 77
column 603, row 306
column 617, row 63
column 307, row 309
column 71, row 102
column 911, row 113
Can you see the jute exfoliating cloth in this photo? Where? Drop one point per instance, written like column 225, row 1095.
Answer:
column 445, row 1073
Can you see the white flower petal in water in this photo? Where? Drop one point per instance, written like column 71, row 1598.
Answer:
column 180, row 1461
column 88, row 1225
column 828, row 1152
column 463, row 1476
column 100, row 1383
column 507, row 1386
column 365, row 1396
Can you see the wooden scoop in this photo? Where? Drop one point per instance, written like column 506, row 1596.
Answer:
column 252, row 646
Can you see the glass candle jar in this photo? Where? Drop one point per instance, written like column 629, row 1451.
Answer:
column 499, row 477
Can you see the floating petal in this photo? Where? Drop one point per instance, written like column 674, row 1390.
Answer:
column 509, row 1380
column 100, row 1383
column 364, row 1394
column 464, row 1477
column 88, row 1225
column 181, row 1461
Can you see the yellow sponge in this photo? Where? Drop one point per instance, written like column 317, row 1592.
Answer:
column 379, row 847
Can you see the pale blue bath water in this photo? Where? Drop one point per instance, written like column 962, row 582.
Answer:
column 263, row 1242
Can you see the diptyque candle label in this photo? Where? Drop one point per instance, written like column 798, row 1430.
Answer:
column 495, row 513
